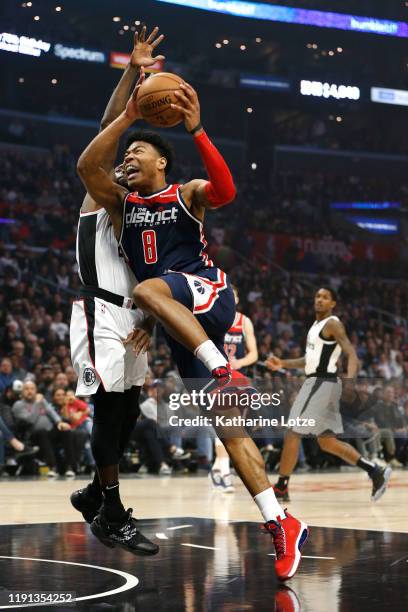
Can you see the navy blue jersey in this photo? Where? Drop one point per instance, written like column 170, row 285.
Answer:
column 159, row 234
column 234, row 340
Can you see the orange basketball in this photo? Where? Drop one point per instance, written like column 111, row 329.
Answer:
column 154, row 99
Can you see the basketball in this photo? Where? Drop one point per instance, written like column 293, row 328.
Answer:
column 155, row 97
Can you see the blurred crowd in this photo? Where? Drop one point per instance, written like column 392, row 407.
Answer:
column 43, row 425
column 40, row 197
column 42, row 421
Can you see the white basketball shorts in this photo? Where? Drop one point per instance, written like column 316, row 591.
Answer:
column 98, row 355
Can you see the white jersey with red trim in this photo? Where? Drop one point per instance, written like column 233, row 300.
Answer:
column 99, row 259
column 160, row 234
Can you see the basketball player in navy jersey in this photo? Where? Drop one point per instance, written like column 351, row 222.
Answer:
column 160, row 231
column 102, row 318
column 242, row 351
column 319, row 397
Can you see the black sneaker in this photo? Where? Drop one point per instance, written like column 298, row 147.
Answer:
column 380, row 478
column 126, row 535
column 282, row 494
column 28, row 451
column 86, row 503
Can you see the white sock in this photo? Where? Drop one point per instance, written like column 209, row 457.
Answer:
column 211, row 357
column 268, row 505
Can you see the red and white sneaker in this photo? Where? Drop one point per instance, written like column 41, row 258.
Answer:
column 288, row 535
column 220, row 378
column 222, row 375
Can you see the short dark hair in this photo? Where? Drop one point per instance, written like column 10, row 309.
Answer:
column 331, row 291
column 160, row 144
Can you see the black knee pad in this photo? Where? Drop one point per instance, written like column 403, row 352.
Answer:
column 131, row 400
column 109, row 413
column 131, row 413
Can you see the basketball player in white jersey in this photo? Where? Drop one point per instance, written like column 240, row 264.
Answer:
column 103, row 318
column 319, row 397
column 242, row 351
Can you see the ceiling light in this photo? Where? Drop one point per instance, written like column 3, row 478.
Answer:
column 225, row 41
column 58, row 9
column 258, row 39
column 37, row 18
column 254, row 166
column 242, row 47
column 54, row 81
column 249, row 109
column 126, row 27
column 116, row 19
column 218, row 45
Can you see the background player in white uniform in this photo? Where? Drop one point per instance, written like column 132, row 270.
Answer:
column 102, row 323
column 242, row 351
column 319, row 396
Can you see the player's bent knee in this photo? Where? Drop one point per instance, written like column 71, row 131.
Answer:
column 145, row 297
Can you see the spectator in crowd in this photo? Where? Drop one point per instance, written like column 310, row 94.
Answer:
column 359, row 424
column 147, row 432
column 6, row 374
column 390, row 422
column 42, row 425
column 77, row 413
column 8, row 437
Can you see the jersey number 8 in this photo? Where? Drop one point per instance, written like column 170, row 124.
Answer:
column 149, row 246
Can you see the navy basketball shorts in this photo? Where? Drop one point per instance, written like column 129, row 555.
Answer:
column 210, row 298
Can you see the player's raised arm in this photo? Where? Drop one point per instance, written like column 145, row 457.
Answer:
column 220, row 189
column 141, row 56
column 94, row 169
column 97, row 181
column 335, row 329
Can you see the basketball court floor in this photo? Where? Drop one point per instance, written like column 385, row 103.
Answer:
column 213, row 554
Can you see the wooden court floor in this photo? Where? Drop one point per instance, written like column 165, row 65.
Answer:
column 340, row 499
column 213, row 556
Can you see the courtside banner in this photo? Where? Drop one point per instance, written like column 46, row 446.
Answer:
column 121, row 60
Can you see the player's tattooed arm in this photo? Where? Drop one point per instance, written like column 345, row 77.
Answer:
column 335, row 330
column 220, row 189
column 99, row 184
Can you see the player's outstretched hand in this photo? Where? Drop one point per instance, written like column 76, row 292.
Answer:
column 188, row 105
column 132, row 111
column 143, row 49
column 139, row 339
column 274, row 363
